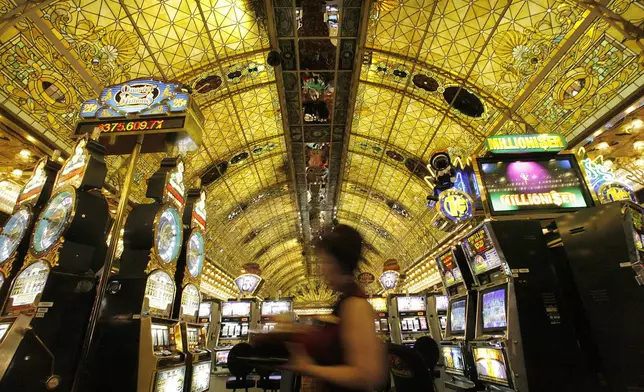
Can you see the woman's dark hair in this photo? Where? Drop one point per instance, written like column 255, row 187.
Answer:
column 344, row 243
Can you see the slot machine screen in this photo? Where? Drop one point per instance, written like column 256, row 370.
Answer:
column 441, row 303
column 205, row 308
column 160, row 337
column 159, row 290
column 533, row 185
column 28, row 285
column 451, row 272
column 4, row 327
column 273, row 308
column 384, row 325
column 235, row 309
column 379, row 304
column 481, row 253
column 490, row 365
column 193, row 338
column 221, row 357
column 453, row 357
column 170, row 380
column 493, row 309
column 457, row 317
column 200, row 377
column 411, row 304
column 443, row 321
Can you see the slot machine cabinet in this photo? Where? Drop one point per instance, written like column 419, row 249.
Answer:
column 236, row 321
column 437, row 314
column 47, row 310
column 523, row 341
column 209, row 317
column 460, row 319
column 188, row 299
column 270, row 311
column 136, row 342
column 410, row 318
column 16, row 232
column 381, row 310
column 605, row 276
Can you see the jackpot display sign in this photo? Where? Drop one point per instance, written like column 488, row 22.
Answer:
column 481, row 254
column 235, row 309
column 411, row 304
column 534, row 185
column 379, row 304
column 455, row 205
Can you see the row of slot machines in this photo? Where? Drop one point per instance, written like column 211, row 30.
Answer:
column 238, row 319
column 546, row 305
column 402, row 319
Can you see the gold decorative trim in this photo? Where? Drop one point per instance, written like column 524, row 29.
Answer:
column 61, row 238
column 51, row 256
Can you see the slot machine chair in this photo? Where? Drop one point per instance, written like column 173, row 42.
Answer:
column 269, row 380
column 409, row 370
column 428, row 349
column 240, row 369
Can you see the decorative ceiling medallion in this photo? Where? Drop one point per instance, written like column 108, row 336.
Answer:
column 239, row 158
column 374, row 148
column 213, row 173
column 465, row 102
column 395, row 156
column 425, row 82
column 207, row 84
column 575, row 88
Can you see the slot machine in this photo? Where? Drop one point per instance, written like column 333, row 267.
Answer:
column 437, row 308
column 237, row 318
column 16, row 233
column 379, row 305
column 270, row 310
column 603, row 254
column 459, row 319
column 188, row 299
column 209, row 317
column 411, row 312
column 523, row 340
column 46, row 314
column 136, row 342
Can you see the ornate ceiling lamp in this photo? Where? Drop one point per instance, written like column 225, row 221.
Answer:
column 249, row 281
column 390, row 274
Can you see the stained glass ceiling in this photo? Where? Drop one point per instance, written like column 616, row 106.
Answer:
column 429, row 75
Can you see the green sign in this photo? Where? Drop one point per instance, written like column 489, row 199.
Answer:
column 517, row 144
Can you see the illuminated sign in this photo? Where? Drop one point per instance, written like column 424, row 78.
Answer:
column 366, row 278
column 190, row 300
column 609, row 192
column 143, row 97
column 533, row 185
column 388, row 279
column 247, row 283
column 131, row 127
column 512, row 144
column 175, row 189
column 35, row 183
column 74, row 167
column 199, row 212
column 455, row 205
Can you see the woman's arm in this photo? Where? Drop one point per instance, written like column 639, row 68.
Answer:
column 363, row 351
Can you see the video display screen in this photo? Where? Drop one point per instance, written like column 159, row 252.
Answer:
column 170, row 380
column 221, row 357
column 4, row 327
column 533, row 185
column 441, row 303
column 200, row 377
column 478, row 241
column 205, row 308
column 486, row 261
column 490, row 365
column 272, row 308
column 235, row 309
column 451, row 272
column 411, row 304
column 379, row 304
column 29, row 284
column 443, row 321
column 453, row 357
column 159, row 291
column 457, row 317
column 413, row 324
column 493, row 309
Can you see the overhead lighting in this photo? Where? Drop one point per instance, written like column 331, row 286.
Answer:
column 17, row 173
column 637, row 123
column 31, row 138
column 629, row 110
column 25, row 153
column 602, row 146
column 639, row 162
column 597, row 133
column 638, row 145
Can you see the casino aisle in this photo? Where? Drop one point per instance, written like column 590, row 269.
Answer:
column 167, row 169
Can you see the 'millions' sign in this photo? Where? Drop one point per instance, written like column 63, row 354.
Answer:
column 513, row 144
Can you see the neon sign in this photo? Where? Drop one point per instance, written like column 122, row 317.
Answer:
column 247, row 283
column 455, row 205
column 512, row 144
column 142, row 96
column 389, row 279
column 609, row 192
